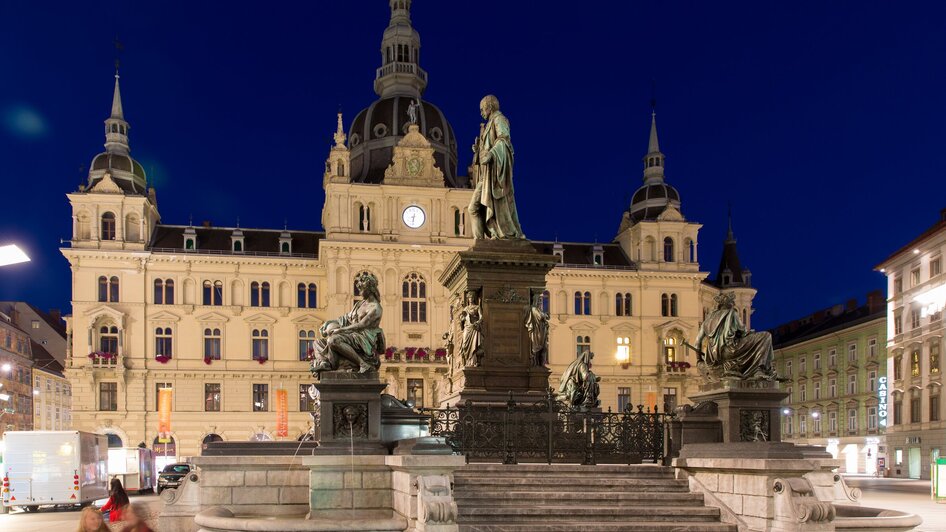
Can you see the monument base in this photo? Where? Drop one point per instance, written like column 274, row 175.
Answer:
column 497, row 385
column 351, row 413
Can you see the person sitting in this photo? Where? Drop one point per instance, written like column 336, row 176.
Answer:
column 135, row 517
column 91, row 520
column 117, row 501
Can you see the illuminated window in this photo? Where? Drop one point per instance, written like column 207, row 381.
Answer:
column 260, row 397
column 624, row 350
column 934, row 357
column 212, row 397
column 670, row 350
column 414, row 299
column 108, row 396
column 915, row 362
column 158, row 386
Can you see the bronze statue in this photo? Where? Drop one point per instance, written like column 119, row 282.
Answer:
column 579, row 385
column 471, row 342
column 354, row 341
column 537, row 324
column 412, row 111
column 493, row 205
column 732, row 350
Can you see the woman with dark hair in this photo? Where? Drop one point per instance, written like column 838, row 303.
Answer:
column 117, row 501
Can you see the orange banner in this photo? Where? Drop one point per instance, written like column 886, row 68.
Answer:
column 164, row 415
column 282, row 413
column 650, row 400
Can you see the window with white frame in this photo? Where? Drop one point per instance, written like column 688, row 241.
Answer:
column 306, row 344
column 852, row 353
column 871, row 347
column 832, row 387
column 788, row 368
column 260, row 397
column 803, row 366
column 915, row 277
column 852, row 384
column 872, row 380
column 816, row 360
column 582, row 344
column 897, row 285
column 914, row 319
column 163, row 342
column 213, row 341
column 624, row 398
column 789, row 425
column 833, row 422
column 852, row 420
column 213, row 293
column 803, row 424
column 936, row 267
column 260, row 344
column 414, row 299
column 803, row 392
column 934, row 357
column 832, row 358
column 898, row 322
column 817, row 390
column 871, row 418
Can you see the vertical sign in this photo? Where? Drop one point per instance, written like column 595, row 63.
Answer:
column 882, row 401
column 282, row 413
column 164, row 415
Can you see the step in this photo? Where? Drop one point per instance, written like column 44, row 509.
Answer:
column 572, row 514
column 595, row 526
column 466, row 498
column 628, row 471
column 557, row 483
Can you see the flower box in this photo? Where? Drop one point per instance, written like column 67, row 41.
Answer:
column 162, row 359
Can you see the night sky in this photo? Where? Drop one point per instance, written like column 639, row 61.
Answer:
column 823, row 123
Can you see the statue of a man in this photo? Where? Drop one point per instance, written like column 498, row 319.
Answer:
column 354, row 341
column 730, row 347
column 412, row 111
column 537, row 325
column 493, row 206
column 579, row 385
column 471, row 341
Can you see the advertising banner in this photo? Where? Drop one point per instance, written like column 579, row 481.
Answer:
column 164, row 415
column 282, row 413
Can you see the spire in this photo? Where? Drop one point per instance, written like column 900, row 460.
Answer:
column 339, row 132
column 654, row 160
column 653, row 146
column 729, row 235
column 116, row 128
column 731, row 274
column 400, row 73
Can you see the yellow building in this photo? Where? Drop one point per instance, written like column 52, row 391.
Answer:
column 227, row 315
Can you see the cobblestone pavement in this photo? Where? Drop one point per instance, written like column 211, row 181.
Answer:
column 902, row 494
column 67, row 519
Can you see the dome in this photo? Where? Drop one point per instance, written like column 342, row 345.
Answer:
column 378, row 128
column 126, row 172
column 651, row 199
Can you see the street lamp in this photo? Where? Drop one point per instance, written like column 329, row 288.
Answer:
column 12, row 254
column 6, row 367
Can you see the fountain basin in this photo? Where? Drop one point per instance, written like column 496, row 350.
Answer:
column 223, row 519
column 866, row 519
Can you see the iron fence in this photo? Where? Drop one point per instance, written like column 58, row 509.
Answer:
column 550, row 431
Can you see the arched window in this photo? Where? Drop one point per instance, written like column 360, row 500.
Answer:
column 578, row 305
column 340, row 169
column 284, row 248
column 622, row 304
column 664, row 305
column 108, row 226
column 650, row 249
column 307, row 295
column 259, row 294
column 414, row 299
column 587, row 303
column 673, row 304
column 163, row 292
column 668, row 249
column 670, row 350
column 238, row 245
column 189, row 243
column 364, row 218
column 83, row 226
column 108, row 340
column 132, row 228
column 582, row 345
column 103, row 288
column 260, row 344
column 210, row 438
column 212, row 344
column 213, row 293
column 459, row 222
column 112, row 289
column 114, row 441
column 163, row 342
column 306, row 344
column 690, row 246
column 546, row 301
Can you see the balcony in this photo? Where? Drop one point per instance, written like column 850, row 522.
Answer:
column 401, row 68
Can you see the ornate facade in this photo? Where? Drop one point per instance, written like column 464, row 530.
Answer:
column 227, row 315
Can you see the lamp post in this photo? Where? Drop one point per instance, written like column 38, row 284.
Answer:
column 12, row 254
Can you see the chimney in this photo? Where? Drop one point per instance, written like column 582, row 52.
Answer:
column 875, row 301
column 207, row 224
column 56, row 314
column 942, row 215
column 850, row 305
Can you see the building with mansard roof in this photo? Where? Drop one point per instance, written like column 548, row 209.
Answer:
column 226, row 316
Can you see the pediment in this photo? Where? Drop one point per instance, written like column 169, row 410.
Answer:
column 105, row 310
column 625, row 328
column 413, row 162
column 673, row 324
column 164, row 316
column 213, row 317
column 584, row 326
column 106, row 185
column 670, row 214
column 261, row 318
column 307, row 319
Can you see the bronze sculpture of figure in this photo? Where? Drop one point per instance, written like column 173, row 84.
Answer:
column 471, row 341
column 412, row 111
column 732, row 350
column 493, row 205
column 579, row 385
column 354, row 341
column 537, row 324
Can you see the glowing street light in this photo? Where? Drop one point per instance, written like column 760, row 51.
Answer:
column 6, row 367
column 12, row 254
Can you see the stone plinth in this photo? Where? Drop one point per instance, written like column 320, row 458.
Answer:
column 351, row 413
column 504, row 274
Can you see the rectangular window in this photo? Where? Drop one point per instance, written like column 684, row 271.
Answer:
column 898, row 322
column 415, row 392
column 851, row 384
column 936, row 267
column 212, row 397
column 832, row 388
column 871, row 418
column 108, row 396
column 803, row 424
column 914, row 319
column 898, row 457
column 915, row 410
column 915, row 363
column 624, row 398
column 158, row 386
column 817, row 390
column 934, row 408
column 788, row 425
column 261, row 398
column 788, row 368
column 803, row 393
column 852, row 420
column 872, row 380
column 816, row 360
column 897, row 285
column 670, row 399
column 306, row 402
column 803, row 366
column 934, row 357
column 914, row 277
column 897, row 412
column 582, row 344
column 832, row 358
column 872, row 348
column 898, row 367
column 852, row 353
column 212, row 343
column 833, row 422
column 260, row 344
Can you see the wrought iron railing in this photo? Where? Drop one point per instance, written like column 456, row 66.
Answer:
column 550, row 431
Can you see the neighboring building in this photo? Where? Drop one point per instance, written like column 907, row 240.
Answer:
column 227, row 315
column 916, row 295
column 836, row 360
column 16, row 362
column 45, row 328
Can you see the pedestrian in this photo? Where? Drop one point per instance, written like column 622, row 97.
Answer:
column 135, row 517
column 91, row 520
column 117, row 501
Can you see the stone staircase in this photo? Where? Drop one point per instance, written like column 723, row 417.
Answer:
column 561, row 497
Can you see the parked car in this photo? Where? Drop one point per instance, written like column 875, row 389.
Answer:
column 173, row 475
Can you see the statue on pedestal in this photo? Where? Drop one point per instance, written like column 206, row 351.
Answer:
column 354, row 341
column 537, row 324
column 470, row 350
column 493, row 206
column 579, row 385
column 731, row 349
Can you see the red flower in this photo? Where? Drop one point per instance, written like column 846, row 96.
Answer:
column 440, row 352
column 207, row 360
column 262, row 360
column 162, row 359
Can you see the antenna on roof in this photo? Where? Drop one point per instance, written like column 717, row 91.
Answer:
column 238, row 222
column 190, row 219
column 285, row 224
column 119, row 48
column 653, row 96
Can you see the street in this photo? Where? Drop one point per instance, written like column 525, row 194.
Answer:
column 62, row 519
column 902, row 494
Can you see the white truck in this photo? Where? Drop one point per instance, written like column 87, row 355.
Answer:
column 134, row 466
column 45, row 467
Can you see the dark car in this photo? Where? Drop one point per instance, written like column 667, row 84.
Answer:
column 173, row 475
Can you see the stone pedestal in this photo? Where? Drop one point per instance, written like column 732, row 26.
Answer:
column 351, row 413
column 504, row 274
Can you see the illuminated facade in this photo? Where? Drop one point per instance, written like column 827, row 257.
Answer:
column 227, row 315
column 916, row 296
column 16, row 363
column 836, row 359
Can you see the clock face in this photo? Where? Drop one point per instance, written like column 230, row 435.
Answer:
column 414, row 217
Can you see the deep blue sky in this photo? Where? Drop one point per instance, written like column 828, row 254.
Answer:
column 824, row 123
